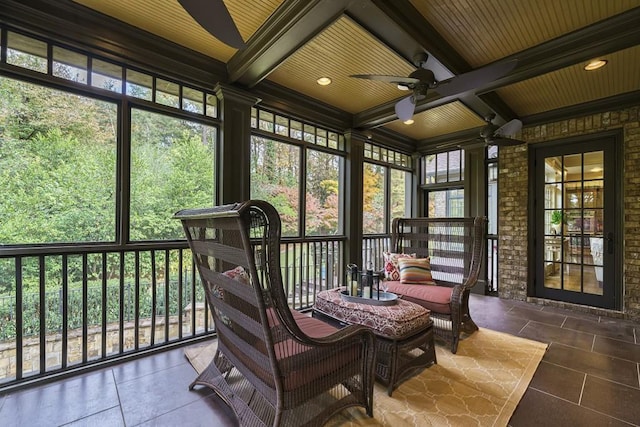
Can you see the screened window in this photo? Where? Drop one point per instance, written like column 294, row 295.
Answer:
column 26, row 52
column 105, row 75
column 446, row 203
column 373, row 203
column 69, row 65
column 386, row 188
column 269, row 122
column 399, row 194
column 30, row 53
column 57, row 166
column 443, row 167
column 323, row 193
column 492, row 195
column 275, row 177
column 172, row 168
column 290, row 159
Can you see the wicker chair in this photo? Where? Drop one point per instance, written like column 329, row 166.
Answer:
column 272, row 366
column 456, row 248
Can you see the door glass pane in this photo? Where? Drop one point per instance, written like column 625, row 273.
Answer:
column 553, row 169
column 573, row 222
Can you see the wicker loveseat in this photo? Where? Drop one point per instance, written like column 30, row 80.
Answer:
column 455, row 248
column 272, row 366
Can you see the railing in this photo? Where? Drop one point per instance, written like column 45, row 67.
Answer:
column 309, row 267
column 372, row 248
column 77, row 308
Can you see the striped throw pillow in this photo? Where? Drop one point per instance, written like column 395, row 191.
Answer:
column 391, row 264
column 415, row 270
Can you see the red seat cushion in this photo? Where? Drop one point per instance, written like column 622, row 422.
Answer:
column 432, row 297
column 313, row 327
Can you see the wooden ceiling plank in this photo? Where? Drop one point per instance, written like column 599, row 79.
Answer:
column 292, row 25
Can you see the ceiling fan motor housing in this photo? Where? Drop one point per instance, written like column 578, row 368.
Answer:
column 424, row 76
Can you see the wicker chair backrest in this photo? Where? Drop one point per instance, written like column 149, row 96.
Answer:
column 455, row 246
column 237, row 251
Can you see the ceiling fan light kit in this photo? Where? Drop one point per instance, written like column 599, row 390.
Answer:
column 423, row 79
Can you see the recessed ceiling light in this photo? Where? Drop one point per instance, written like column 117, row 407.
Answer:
column 595, row 64
column 408, row 122
column 323, row 81
column 402, row 87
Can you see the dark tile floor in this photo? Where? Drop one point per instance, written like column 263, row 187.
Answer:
column 590, row 375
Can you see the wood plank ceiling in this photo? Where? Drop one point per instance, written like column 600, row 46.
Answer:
column 292, row 43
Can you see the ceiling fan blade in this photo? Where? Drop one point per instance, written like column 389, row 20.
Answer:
column 504, row 142
column 388, row 79
column 405, row 108
column 475, row 78
column 509, row 128
column 213, row 16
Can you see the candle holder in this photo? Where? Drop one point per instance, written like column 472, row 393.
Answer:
column 366, row 287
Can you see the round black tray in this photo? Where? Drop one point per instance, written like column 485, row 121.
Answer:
column 386, row 298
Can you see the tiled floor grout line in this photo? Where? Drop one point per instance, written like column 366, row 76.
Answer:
column 113, row 374
column 584, row 381
column 564, row 321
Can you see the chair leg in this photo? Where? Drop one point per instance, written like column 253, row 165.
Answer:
column 468, row 326
column 455, row 339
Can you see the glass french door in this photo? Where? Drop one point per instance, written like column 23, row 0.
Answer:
column 575, row 223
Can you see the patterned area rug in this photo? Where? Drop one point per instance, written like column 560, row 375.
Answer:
column 479, row 386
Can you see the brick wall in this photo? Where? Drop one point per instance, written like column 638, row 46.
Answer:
column 513, row 195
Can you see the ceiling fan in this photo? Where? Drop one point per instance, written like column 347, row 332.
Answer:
column 213, row 16
column 423, row 79
column 493, row 134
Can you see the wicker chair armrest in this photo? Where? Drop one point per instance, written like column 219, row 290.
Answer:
column 457, row 293
column 461, row 288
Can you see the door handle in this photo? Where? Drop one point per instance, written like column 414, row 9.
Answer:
column 610, row 243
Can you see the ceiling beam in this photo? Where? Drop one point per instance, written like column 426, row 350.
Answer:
column 292, row 25
column 401, row 27
column 601, row 105
column 410, row 21
column 604, row 37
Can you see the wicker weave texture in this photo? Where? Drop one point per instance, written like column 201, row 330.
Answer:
column 272, row 366
column 455, row 247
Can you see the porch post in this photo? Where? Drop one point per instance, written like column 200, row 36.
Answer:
column 353, row 196
column 234, row 144
column 475, row 200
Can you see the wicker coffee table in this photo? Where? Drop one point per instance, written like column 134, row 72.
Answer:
column 404, row 333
